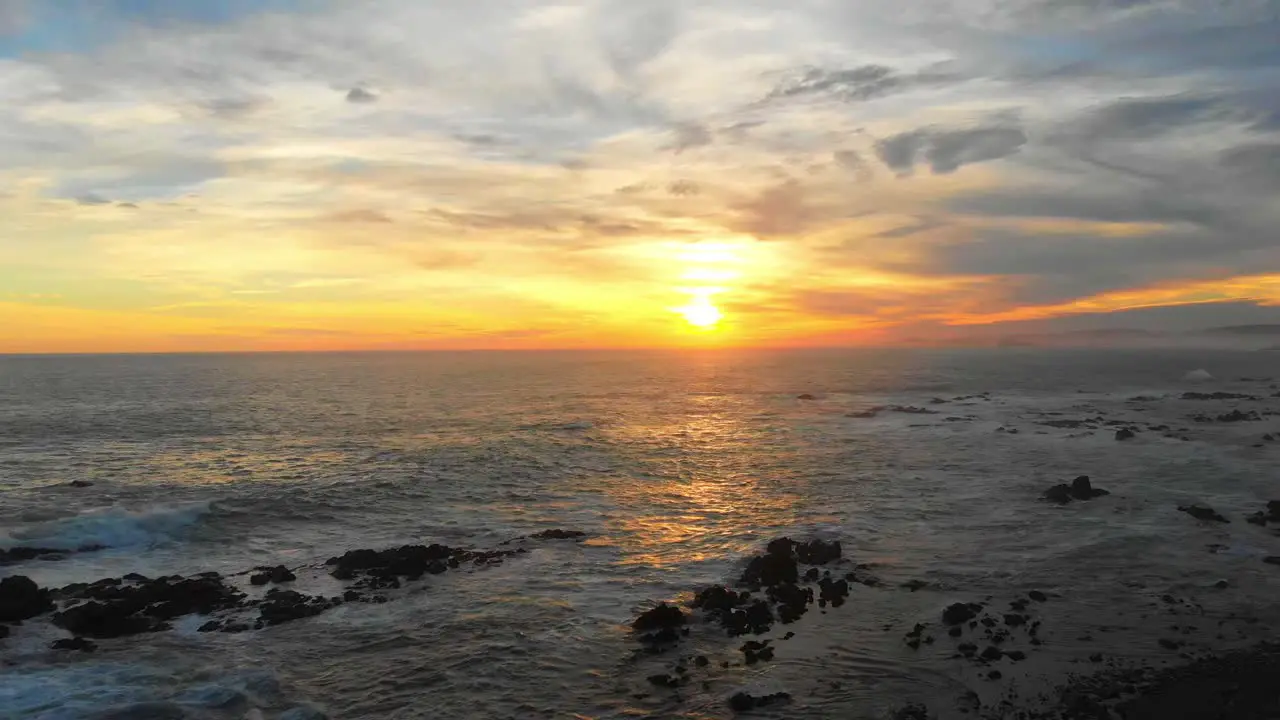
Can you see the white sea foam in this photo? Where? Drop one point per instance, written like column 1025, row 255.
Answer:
column 1197, row 376
column 111, row 528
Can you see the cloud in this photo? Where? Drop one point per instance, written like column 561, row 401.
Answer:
column 1256, row 163
column 859, row 84
column 359, row 95
column 946, row 151
column 1144, row 118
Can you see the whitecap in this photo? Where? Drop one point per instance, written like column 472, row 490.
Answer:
column 110, row 528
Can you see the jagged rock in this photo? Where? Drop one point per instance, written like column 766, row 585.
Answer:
column 1203, row 513
column 21, row 598
column 281, row 606
column 115, row 609
column 1124, row 434
column 1037, row 596
column 662, row 616
column 818, row 552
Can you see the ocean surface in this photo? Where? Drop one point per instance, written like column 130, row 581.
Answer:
column 678, row 466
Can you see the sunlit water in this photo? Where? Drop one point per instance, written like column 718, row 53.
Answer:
column 678, row 465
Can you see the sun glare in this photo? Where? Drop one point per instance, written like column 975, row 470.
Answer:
column 700, row 313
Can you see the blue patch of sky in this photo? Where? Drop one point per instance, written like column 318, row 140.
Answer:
column 85, row 25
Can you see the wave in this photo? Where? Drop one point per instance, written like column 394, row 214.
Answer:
column 111, row 528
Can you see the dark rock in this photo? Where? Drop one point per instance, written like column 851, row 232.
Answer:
column 957, row 613
column 1124, row 434
column 717, row 598
column 967, row 649
column 664, row 680
column 277, row 574
column 777, row 566
column 744, row 702
column 1216, row 396
column 811, row 575
column 1168, row 644
column 1082, row 489
column 701, row 661
column 559, row 535
column 1015, row 655
column 104, row 620
column 1202, row 513
column 818, row 552
column 806, row 396
column 21, row 598
column 1258, row 518
column 1060, row 494
column 995, row 674
column 1222, row 585
column 754, row 652
column 281, row 606
column 833, row 591
column 1013, row 620
column 76, row 643
column 913, row 711
column 662, row 616
column 992, row 653
column 1272, row 560
column 211, row 626
column 792, row 601
column 1037, row 596
column 914, row 585
column 4, row 631
column 114, row 609
column 955, row 631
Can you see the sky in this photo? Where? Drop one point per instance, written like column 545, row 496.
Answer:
column 203, row 175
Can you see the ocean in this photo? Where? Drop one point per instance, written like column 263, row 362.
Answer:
column 926, row 465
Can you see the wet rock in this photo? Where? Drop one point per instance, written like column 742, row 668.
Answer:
column 806, row 396
column 277, row 574
column 967, row 649
column 718, row 598
column 281, row 606
column 558, row 534
column 995, row 675
column 958, row 613
column 992, row 653
column 744, row 702
column 1080, row 489
column 913, row 711
column 755, row 618
column 211, row 626
column 1037, row 596
column 1168, row 644
column 1216, row 396
column 1272, row 560
column 664, row 680
column 21, row 598
column 79, row 484
column 701, row 661
column 754, row 652
column 1222, row 585
column 775, row 567
column 955, row 631
column 76, row 643
column 1203, row 513
column 660, row 617
column 105, row 620
column 833, row 591
column 1014, row 620
column 818, row 552
column 1015, row 655
column 792, row 601
column 1125, row 434
column 914, row 585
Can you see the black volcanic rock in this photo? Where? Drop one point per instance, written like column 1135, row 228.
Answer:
column 1216, row 396
column 818, row 552
column 1206, row 514
column 958, row 613
column 281, row 606
column 1124, row 434
column 21, row 598
column 277, row 574
column 1079, row 489
column 662, row 616
column 745, row 702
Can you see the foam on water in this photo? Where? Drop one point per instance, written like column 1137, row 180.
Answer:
column 111, row 527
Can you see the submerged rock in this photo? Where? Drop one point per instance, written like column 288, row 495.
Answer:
column 1206, row 514
column 806, row 396
column 79, row 484
column 558, row 534
column 745, row 702
column 1125, row 434
column 21, row 598
column 1216, row 396
column 76, row 643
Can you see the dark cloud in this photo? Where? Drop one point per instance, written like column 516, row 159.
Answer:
column 684, row 188
column 1257, row 163
column 1108, row 207
column 778, row 210
column 127, row 205
column 92, row 199
column 360, row 95
column 855, row 84
column 233, row 108
column 946, row 151
column 1142, row 118
column 689, row 136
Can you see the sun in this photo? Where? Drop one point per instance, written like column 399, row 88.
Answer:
column 701, row 313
